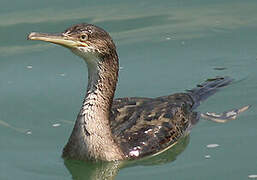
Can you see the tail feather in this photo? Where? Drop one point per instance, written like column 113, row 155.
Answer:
column 208, row 88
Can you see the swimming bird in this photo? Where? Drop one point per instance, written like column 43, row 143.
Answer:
column 109, row 129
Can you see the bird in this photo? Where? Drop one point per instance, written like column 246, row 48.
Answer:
column 111, row 129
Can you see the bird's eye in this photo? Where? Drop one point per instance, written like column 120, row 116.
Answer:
column 83, row 37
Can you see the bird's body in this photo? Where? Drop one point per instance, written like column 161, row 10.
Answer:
column 144, row 126
column 126, row 128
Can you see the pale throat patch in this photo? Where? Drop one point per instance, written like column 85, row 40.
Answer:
column 91, row 57
column 92, row 61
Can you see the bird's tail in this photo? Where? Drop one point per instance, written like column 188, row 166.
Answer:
column 208, row 88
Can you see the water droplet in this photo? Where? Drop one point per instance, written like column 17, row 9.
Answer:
column 207, row 156
column 252, row 176
column 56, row 125
column 134, row 153
column 212, row 145
column 29, row 132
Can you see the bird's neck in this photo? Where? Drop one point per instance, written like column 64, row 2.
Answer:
column 92, row 135
column 102, row 80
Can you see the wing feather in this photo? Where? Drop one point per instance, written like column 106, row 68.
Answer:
column 145, row 126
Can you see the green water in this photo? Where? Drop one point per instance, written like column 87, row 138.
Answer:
column 164, row 47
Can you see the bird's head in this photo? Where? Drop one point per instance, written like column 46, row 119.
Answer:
column 86, row 40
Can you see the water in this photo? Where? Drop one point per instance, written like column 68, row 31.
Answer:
column 163, row 47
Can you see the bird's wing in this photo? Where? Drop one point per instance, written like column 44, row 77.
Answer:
column 145, row 126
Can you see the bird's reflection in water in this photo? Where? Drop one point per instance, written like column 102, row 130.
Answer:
column 92, row 171
column 81, row 170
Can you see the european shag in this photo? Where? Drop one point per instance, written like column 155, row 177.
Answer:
column 124, row 128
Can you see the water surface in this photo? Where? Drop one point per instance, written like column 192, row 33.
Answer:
column 163, row 47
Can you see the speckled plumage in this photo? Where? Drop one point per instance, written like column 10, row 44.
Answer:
column 123, row 128
column 145, row 126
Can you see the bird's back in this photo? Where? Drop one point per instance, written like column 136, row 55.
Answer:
column 146, row 126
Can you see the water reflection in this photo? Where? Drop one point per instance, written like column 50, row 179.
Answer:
column 92, row 171
column 108, row 171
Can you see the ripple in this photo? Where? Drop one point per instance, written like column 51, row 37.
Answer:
column 252, row 176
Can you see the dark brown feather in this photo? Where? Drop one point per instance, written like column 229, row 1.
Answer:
column 145, row 126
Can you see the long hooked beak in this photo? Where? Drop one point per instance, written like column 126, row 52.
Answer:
column 59, row 39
